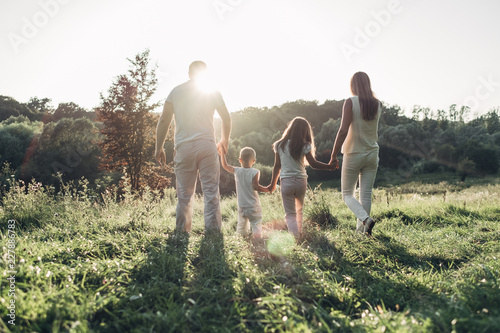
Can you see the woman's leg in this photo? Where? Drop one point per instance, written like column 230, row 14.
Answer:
column 351, row 166
column 367, row 179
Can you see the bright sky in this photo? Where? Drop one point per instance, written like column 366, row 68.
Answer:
column 262, row 52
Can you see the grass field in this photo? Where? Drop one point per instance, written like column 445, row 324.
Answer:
column 86, row 263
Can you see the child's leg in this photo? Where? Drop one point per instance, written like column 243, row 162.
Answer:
column 288, row 196
column 256, row 223
column 300, row 193
column 243, row 226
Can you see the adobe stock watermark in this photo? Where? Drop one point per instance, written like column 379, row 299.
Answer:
column 222, row 7
column 363, row 37
column 73, row 159
column 11, row 271
column 31, row 26
column 483, row 91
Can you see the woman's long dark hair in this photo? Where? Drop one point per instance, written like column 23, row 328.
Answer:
column 298, row 132
column 361, row 86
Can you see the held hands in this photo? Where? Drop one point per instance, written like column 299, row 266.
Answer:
column 222, row 147
column 334, row 163
column 271, row 188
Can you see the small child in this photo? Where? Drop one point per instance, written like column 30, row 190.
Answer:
column 296, row 144
column 247, row 185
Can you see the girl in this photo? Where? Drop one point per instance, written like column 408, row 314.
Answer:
column 296, row 144
column 358, row 137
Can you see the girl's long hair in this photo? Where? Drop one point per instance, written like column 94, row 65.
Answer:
column 361, row 86
column 298, row 132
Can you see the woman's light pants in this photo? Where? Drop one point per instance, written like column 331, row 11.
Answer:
column 360, row 167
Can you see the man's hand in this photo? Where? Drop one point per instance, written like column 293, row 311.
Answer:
column 161, row 157
column 222, row 147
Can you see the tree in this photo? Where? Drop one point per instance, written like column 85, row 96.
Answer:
column 391, row 115
column 492, row 121
column 69, row 147
column 485, row 158
column 466, row 167
column 128, row 124
column 9, row 107
column 16, row 136
column 40, row 108
column 70, row 110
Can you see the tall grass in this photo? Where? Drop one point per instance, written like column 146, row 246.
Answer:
column 92, row 263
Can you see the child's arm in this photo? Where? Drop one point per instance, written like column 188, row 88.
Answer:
column 318, row 165
column 226, row 166
column 256, row 186
column 276, row 172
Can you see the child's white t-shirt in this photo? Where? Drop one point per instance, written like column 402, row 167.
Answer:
column 247, row 196
column 289, row 166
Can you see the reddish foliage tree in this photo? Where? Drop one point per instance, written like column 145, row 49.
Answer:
column 129, row 125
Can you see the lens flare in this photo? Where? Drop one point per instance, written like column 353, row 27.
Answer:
column 204, row 82
column 280, row 243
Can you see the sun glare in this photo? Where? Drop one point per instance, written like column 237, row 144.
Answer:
column 204, row 82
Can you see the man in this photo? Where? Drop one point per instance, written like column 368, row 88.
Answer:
column 196, row 152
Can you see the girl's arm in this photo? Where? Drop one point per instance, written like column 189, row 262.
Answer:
column 276, row 172
column 343, row 130
column 315, row 164
column 256, row 186
column 226, row 166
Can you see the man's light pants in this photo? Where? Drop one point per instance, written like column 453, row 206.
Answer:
column 191, row 158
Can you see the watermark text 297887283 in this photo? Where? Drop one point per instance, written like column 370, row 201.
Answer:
column 11, row 271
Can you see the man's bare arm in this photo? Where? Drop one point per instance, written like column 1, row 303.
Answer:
column 162, row 130
column 223, row 145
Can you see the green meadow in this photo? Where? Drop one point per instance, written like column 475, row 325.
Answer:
column 87, row 262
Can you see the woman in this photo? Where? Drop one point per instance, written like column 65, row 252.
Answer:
column 357, row 136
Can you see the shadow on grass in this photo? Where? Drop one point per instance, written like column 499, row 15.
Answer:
column 364, row 284
column 448, row 217
column 398, row 288
column 182, row 287
column 211, row 290
column 295, row 291
column 153, row 296
column 393, row 250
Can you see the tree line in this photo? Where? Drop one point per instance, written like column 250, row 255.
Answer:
column 113, row 144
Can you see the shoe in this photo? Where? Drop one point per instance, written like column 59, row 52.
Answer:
column 369, row 224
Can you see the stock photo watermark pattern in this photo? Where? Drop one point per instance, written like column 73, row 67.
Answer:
column 11, row 271
column 363, row 37
column 31, row 26
column 222, row 7
column 484, row 90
